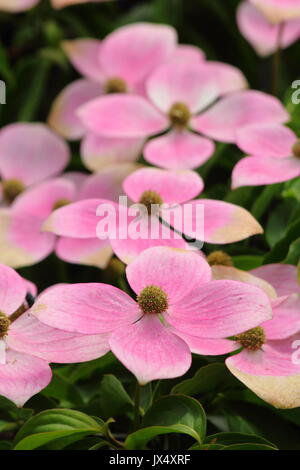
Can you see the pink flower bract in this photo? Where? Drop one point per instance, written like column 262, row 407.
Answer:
column 178, row 309
column 274, row 155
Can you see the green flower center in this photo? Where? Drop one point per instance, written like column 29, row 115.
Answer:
column 115, row 85
column 296, row 149
column 252, row 339
column 61, row 203
column 219, row 258
column 11, row 189
column 153, row 299
column 179, row 115
column 4, row 325
column 149, row 199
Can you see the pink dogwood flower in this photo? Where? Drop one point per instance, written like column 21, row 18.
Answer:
column 283, row 277
column 22, row 240
column 265, row 36
column 222, row 268
column 27, row 345
column 278, row 11
column 17, row 6
column 223, row 222
column 29, row 154
column 275, row 155
column 119, row 63
column 178, row 98
column 178, row 309
column 266, row 363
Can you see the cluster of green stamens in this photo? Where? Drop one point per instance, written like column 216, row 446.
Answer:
column 252, row 339
column 4, row 325
column 153, row 299
column 179, row 115
column 11, row 189
column 219, row 258
column 296, row 149
column 149, row 199
column 115, row 85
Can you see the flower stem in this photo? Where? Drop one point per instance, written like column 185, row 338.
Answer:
column 137, row 397
column 277, row 60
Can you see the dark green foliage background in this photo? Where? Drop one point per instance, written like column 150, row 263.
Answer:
column 35, row 69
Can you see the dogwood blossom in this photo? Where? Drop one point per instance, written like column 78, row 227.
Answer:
column 275, row 155
column 223, row 222
column 178, row 309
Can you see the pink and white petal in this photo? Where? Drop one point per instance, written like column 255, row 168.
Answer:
column 107, row 183
column 173, row 186
column 188, row 53
column 128, row 248
column 193, row 84
column 150, row 351
column 31, row 153
column 17, row 6
column 286, row 318
column 266, row 140
column 220, row 309
column 63, row 113
column 206, row 346
column 23, row 376
column 133, row 51
column 122, row 116
column 84, row 56
column 179, row 150
column 21, row 240
column 12, row 290
column 239, row 109
column 87, row 251
column 85, row 308
column 28, row 335
column 98, row 152
column 222, row 222
column 229, row 78
column 176, row 272
column 269, row 375
column 261, row 33
column 278, row 10
column 255, row 171
column 228, row 272
column 40, row 200
column 283, row 277
column 77, row 220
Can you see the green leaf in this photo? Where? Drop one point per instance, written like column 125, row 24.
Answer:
column 263, row 201
column 172, row 414
column 248, row 447
column 279, row 220
column 280, row 250
column 207, row 379
column 63, row 390
column 35, row 92
column 293, row 255
column 113, row 399
column 230, row 438
column 60, row 425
